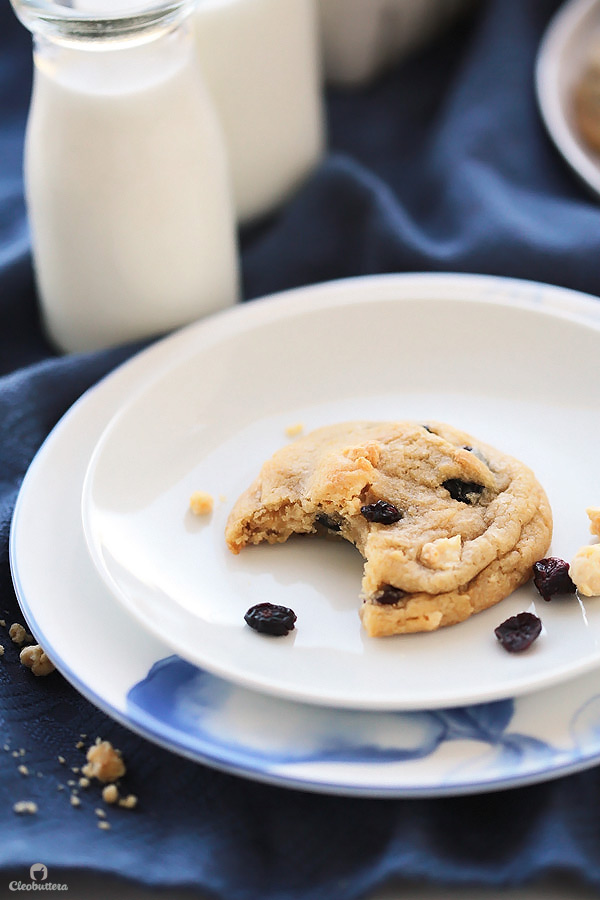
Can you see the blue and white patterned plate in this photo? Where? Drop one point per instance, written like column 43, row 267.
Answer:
column 135, row 676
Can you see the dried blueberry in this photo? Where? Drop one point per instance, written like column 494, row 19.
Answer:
column 269, row 618
column 382, row 512
column 551, row 576
column 328, row 522
column 389, row 594
column 476, row 453
column 463, row 491
column 518, row 632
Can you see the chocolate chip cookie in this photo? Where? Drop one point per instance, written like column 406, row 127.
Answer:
column 447, row 525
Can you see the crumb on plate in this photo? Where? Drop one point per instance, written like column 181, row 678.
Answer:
column 594, row 517
column 294, row 430
column 585, row 570
column 201, row 503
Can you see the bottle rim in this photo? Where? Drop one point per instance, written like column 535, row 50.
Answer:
column 53, row 19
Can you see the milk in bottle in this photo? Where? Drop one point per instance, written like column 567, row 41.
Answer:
column 261, row 62
column 127, row 182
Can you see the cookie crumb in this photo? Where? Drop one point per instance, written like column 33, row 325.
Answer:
column 110, row 794
column 201, row 503
column 79, row 745
column 585, row 570
column 25, row 807
column 84, row 782
column 23, row 770
column 100, row 813
column 35, row 658
column 104, row 825
column 294, row 430
column 1, row 650
column 3, row 623
column 594, row 517
column 61, row 760
column 104, row 763
column 74, row 800
column 17, row 633
column 129, row 802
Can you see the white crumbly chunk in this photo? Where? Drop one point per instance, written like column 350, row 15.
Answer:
column 201, row 503
column 35, row 659
column 585, row 570
column 104, row 763
column 594, row 517
column 128, row 802
column 442, row 553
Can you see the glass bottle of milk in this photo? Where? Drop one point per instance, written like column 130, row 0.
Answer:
column 127, row 183
column 261, row 62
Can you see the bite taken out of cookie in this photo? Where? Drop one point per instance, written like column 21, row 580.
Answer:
column 447, row 525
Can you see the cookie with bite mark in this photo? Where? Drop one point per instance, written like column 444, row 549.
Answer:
column 448, row 525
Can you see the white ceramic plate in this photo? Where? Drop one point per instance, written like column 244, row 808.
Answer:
column 561, row 58
column 134, row 677
column 511, row 364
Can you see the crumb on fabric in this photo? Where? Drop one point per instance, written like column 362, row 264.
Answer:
column 17, row 633
column 104, row 763
column 35, row 658
column 110, row 794
column 25, row 807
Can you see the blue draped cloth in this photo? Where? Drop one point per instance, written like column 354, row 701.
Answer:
column 442, row 164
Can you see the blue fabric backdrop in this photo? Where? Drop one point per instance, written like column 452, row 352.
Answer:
column 442, row 164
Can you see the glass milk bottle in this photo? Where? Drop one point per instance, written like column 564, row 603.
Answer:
column 261, row 62
column 127, row 183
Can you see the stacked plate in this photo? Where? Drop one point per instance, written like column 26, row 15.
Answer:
column 140, row 604
column 562, row 59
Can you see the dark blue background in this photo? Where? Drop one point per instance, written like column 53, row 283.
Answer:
column 443, row 164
